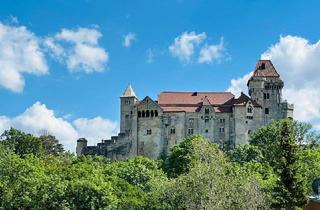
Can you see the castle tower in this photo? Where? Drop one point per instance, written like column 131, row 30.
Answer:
column 81, row 143
column 127, row 102
column 265, row 87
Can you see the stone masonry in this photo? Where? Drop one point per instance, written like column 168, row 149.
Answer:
column 151, row 127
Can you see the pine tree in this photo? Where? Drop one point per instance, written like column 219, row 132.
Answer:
column 289, row 193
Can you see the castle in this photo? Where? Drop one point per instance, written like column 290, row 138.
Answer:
column 150, row 127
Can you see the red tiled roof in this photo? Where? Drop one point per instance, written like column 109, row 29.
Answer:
column 192, row 101
column 265, row 68
column 193, row 98
column 194, row 109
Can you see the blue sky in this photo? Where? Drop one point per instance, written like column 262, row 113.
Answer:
column 241, row 32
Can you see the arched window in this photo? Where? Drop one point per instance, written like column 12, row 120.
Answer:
column 152, row 113
column 249, row 110
column 139, row 114
column 156, row 113
column 147, row 113
column 143, row 114
column 249, row 132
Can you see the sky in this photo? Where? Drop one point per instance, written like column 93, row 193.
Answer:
column 65, row 63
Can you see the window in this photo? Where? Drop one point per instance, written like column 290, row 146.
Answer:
column 156, row 113
column 249, row 109
column 149, row 132
column 221, row 130
column 250, row 117
column 127, row 102
column 222, row 120
column 263, row 66
column 127, row 116
column 173, row 131
column 206, row 130
column 207, row 111
column 139, row 114
column 206, row 119
column 266, row 110
column 190, row 131
column 143, row 114
column 191, row 120
column 147, row 113
column 249, row 132
column 266, row 95
column 152, row 113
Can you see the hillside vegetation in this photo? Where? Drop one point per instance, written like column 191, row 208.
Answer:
column 274, row 171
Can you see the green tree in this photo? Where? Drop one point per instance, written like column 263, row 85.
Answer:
column 21, row 143
column 51, row 145
column 289, row 192
column 210, row 181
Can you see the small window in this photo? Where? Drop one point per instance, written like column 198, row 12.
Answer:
column 139, row 114
column 207, row 111
column 250, row 117
column 263, row 66
column 222, row 120
column 221, row 130
column 249, row 109
column 127, row 116
column 173, row 131
column 266, row 110
column 143, row 114
column 266, row 95
column 206, row 119
column 249, row 132
column 206, row 130
column 190, row 131
column 152, row 113
column 127, row 102
column 149, row 132
column 156, row 113
column 147, row 113
column 191, row 120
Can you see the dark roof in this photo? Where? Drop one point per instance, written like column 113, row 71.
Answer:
column 243, row 99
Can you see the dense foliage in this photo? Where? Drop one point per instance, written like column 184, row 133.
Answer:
column 36, row 173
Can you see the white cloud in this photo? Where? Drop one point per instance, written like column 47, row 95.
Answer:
column 38, row 117
column 297, row 61
column 79, row 49
column 150, row 56
column 95, row 129
column 239, row 85
column 19, row 53
column 128, row 39
column 183, row 46
column 210, row 53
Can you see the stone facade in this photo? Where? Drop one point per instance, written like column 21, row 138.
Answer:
column 150, row 127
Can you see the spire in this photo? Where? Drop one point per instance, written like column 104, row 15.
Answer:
column 129, row 92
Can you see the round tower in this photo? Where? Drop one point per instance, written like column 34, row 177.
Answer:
column 81, row 143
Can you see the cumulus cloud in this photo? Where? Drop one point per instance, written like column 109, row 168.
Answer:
column 38, row 117
column 183, row 46
column 20, row 53
column 296, row 60
column 239, row 85
column 79, row 49
column 128, row 39
column 213, row 52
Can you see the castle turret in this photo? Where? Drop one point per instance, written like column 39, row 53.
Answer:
column 127, row 100
column 81, row 143
column 265, row 87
